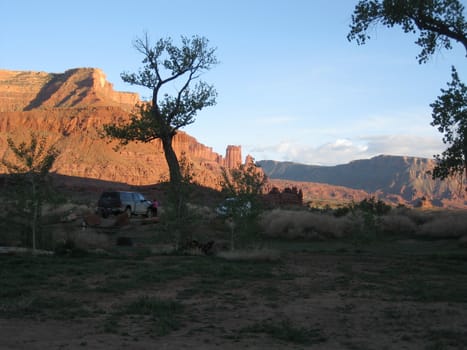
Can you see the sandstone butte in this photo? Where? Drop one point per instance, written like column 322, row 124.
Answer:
column 71, row 108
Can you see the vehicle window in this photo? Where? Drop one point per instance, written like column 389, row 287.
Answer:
column 126, row 196
column 109, row 195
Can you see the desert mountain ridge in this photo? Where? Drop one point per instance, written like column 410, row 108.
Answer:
column 398, row 179
column 71, row 108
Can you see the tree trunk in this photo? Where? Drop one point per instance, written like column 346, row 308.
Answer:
column 34, row 214
column 465, row 165
column 172, row 161
column 175, row 175
column 465, row 173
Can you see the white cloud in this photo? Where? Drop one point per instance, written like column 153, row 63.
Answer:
column 419, row 146
column 342, row 151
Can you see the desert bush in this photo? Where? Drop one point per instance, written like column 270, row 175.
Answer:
column 302, row 224
column 418, row 216
column 371, row 205
column 368, row 206
column 397, row 223
column 445, row 225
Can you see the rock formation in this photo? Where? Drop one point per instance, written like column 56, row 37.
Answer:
column 71, row 108
column 233, row 156
column 82, row 87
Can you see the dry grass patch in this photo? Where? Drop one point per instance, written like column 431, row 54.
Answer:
column 293, row 224
column 395, row 223
column 451, row 224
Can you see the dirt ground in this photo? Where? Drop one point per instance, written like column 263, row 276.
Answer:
column 312, row 299
column 403, row 294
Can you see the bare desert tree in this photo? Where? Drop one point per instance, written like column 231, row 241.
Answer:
column 173, row 75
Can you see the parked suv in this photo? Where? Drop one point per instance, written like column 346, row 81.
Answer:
column 115, row 202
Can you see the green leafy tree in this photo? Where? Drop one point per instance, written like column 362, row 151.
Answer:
column 450, row 117
column 168, row 68
column 243, row 187
column 29, row 179
column 437, row 21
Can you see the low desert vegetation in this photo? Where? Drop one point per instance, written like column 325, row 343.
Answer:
column 242, row 277
column 379, row 221
column 400, row 263
column 302, row 224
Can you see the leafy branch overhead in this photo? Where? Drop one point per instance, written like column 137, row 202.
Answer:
column 450, row 117
column 438, row 22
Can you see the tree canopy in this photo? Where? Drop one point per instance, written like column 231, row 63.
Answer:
column 438, row 22
column 450, row 117
column 167, row 68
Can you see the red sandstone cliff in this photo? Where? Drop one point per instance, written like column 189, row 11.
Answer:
column 82, row 87
column 71, row 108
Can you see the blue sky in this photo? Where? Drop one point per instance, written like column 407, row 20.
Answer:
column 290, row 86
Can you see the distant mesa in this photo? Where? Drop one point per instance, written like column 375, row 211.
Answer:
column 396, row 179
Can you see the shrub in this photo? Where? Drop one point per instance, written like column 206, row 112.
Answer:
column 371, row 205
column 445, row 225
column 302, row 224
column 396, row 223
column 419, row 217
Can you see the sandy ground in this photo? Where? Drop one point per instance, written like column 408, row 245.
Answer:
column 340, row 311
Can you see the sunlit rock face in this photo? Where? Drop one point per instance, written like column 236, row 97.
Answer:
column 233, row 156
column 81, row 87
column 71, row 108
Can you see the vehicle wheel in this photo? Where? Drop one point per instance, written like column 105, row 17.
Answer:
column 128, row 212
column 149, row 213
